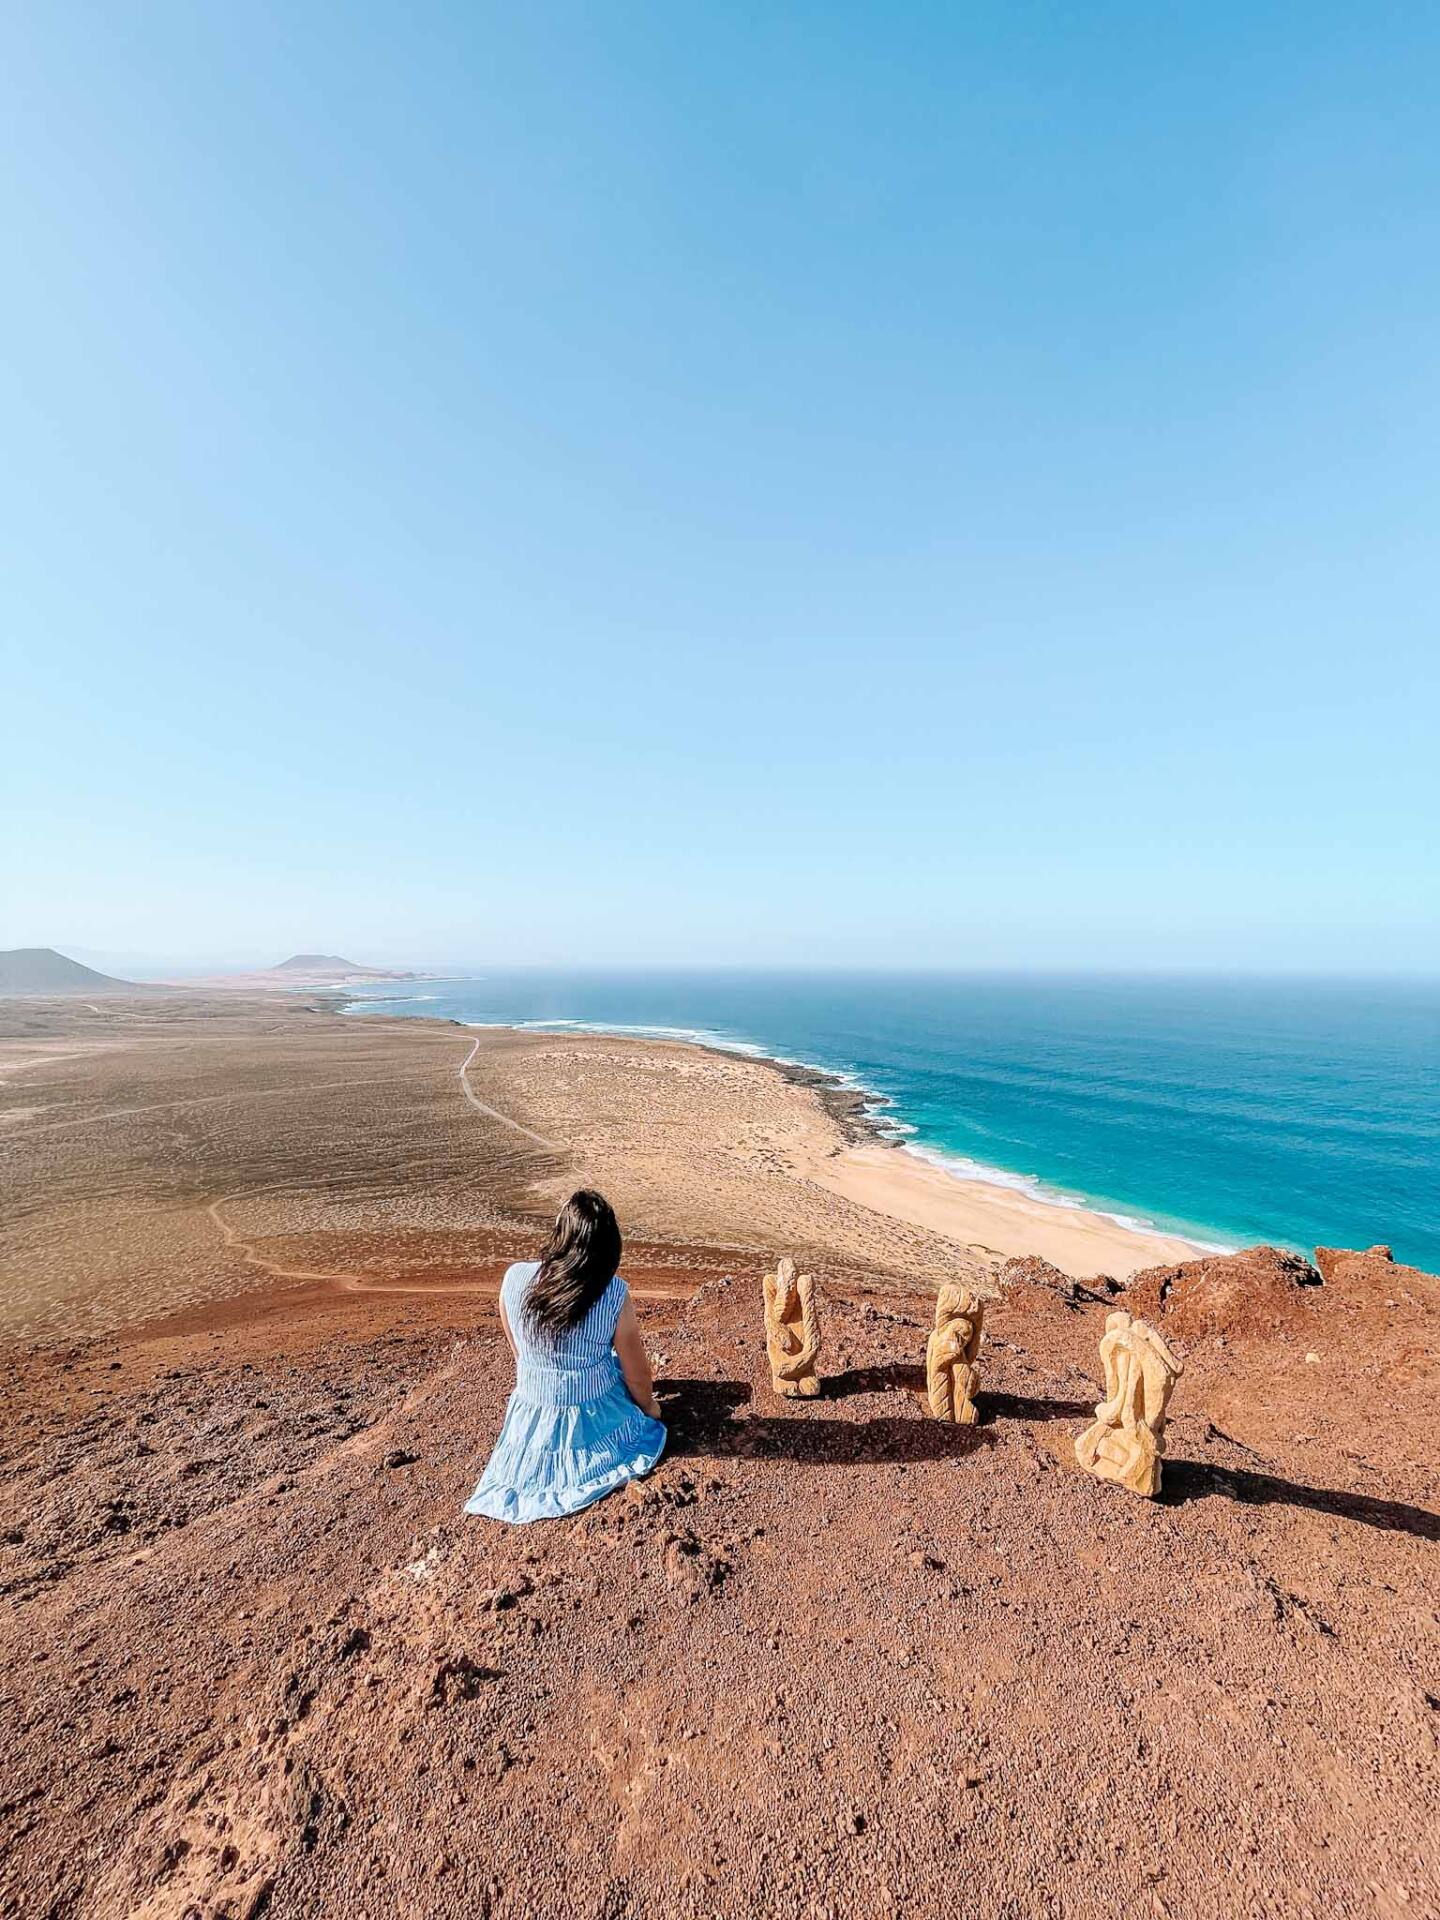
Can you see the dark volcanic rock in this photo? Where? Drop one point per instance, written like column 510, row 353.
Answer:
column 1031, row 1271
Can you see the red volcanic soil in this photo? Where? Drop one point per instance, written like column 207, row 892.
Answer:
column 831, row 1659
column 1376, row 1270
column 1261, row 1291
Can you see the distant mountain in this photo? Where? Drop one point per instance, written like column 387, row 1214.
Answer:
column 43, row 970
column 331, row 966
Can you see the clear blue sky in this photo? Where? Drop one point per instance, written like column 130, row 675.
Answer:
column 808, row 483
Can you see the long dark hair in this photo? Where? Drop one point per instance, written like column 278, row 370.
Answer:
column 577, row 1263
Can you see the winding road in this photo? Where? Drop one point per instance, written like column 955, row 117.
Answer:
column 481, row 1106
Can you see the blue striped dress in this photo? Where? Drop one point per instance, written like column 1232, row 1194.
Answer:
column 571, row 1430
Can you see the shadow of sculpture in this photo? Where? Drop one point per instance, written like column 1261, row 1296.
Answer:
column 1019, row 1406
column 882, row 1379
column 1187, row 1480
column 901, row 1375
column 699, row 1416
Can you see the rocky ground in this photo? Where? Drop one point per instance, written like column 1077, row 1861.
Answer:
column 832, row 1659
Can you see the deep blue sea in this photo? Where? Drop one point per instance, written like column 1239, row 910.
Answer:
column 1234, row 1110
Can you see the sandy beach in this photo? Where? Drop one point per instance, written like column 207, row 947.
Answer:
column 832, row 1658
column 993, row 1221
column 681, row 1124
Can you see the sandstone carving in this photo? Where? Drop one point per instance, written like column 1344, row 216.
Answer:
column 1127, row 1441
column 952, row 1355
column 792, row 1331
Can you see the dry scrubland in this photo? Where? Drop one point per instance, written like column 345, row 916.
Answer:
column 833, row 1658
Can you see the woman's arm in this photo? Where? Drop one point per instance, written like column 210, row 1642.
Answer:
column 634, row 1362
column 505, row 1323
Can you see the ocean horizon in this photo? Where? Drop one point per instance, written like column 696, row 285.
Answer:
column 1298, row 1111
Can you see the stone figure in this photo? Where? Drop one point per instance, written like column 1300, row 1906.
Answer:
column 792, row 1331
column 1127, row 1441
column 952, row 1355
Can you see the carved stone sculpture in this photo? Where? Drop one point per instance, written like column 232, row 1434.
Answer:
column 952, row 1355
column 1127, row 1441
column 792, row 1331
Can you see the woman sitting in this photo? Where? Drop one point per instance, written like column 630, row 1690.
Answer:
column 583, row 1417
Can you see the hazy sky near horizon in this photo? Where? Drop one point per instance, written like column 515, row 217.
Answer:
column 609, row 483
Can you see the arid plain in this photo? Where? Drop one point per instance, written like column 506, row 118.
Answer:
column 832, row 1659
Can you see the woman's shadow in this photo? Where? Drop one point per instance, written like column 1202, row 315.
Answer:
column 701, row 1422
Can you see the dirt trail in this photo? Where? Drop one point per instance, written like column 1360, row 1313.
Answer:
column 494, row 1113
column 369, row 1283
column 274, row 1268
column 373, row 1283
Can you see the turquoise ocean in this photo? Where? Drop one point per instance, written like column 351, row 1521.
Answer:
column 1299, row 1111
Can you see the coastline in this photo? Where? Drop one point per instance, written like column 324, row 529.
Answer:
column 698, row 1147
column 861, row 1113
column 994, row 1219
column 872, row 1166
